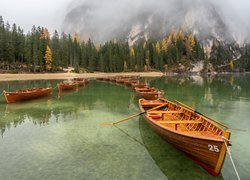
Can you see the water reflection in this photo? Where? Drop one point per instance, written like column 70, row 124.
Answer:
column 226, row 98
column 70, row 103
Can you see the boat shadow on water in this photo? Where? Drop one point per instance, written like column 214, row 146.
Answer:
column 172, row 162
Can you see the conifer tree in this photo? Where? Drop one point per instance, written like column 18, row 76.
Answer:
column 55, row 51
column 64, row 50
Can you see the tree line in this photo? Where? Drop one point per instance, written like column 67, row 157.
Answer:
column 39, row 51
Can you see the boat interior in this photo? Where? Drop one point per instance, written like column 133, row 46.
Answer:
column 178, row 118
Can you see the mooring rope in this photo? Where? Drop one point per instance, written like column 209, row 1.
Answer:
column 55, row 87
column 231, row 158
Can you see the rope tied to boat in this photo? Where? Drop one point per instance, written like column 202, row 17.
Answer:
column 55, row 87
column 230, row 155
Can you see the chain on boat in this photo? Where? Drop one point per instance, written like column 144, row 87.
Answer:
column 231, row 158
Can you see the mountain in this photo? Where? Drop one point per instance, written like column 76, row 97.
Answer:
column 101, row 23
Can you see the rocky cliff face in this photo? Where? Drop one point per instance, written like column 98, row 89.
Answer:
column 103, row 21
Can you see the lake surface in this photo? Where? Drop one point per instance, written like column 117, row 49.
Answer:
column 60, row 137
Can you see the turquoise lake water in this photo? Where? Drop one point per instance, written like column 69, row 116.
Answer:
column 60, row 137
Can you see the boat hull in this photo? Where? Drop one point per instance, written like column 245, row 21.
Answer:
column 67, row 87
column 12, row 97
column 148, row 96
column 148, row 93
column 206, row 149
column 196, row 149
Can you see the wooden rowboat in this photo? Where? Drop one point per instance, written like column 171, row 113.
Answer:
column 120, row 80
column 138, row 84
column 67, row 86
column 27, row 94
column 113, row 79
column 201, row 138
column 149, row 93
column 81, row 81
column 127, row 82
column 78, row 79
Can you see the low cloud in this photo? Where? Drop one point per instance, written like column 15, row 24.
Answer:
column 105, row 20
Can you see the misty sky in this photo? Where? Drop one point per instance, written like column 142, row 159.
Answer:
column 51, row 13
column 26, row 13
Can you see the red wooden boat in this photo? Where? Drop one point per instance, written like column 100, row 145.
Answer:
column 67, row 86
column 100, row 79
column 201, row 138
column 149, row 93
column 139, row 84
column 110, row 79
column 78, row 79
column 27, row 94
column 120, row 80
column 127, row 82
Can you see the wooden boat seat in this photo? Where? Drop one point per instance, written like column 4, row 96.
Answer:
column 179, row 122
column 163, row 112
column 151, row 104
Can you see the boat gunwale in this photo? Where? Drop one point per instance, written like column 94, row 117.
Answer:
column 180, row 133
column 28, row 92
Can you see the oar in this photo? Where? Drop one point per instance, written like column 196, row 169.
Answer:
column 190, row 108
column 130, row 117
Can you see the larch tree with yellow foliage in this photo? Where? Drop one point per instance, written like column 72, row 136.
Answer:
column 157, row 57
column 48, row 58
column 76, row 38
column 164, row 45
column 132, row 58
column 190, row 43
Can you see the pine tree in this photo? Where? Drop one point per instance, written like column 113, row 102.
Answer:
column 2, row 42
column 55, row 51
column 64, row 50
column 28, row 51
column 8, row 49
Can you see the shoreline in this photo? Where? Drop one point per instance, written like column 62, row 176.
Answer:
column 64, row 76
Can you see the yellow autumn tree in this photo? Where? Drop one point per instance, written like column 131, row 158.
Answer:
column 190, row 43
column 231, row 64
column 169, row 41
column 158, row 48
column 164, row 45
column 48, row 57
column 132, row 52
column 181, row 35
column 45, row 34
column 175, row 36
column 76, row 37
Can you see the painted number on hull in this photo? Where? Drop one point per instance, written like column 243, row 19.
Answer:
column 213, row 148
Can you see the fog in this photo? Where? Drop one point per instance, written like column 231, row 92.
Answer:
column 106, row 20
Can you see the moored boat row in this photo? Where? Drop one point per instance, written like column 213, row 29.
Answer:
column 203, row 139
column 142, row 89
column 34, row 93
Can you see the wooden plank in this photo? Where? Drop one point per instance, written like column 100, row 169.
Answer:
column 179, row 122
column 164, row 112
column 176, row 123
